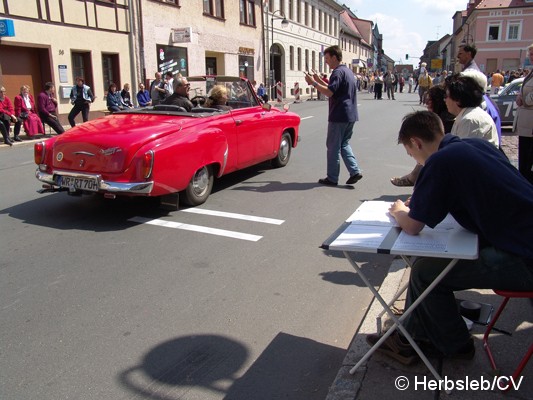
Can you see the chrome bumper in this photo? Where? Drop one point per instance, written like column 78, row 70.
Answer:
column 104, row 186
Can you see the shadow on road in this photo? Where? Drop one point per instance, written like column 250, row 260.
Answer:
column 290, row 367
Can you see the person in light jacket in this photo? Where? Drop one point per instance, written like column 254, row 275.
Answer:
column 523, row 123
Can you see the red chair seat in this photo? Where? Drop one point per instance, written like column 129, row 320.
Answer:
column 507, row 295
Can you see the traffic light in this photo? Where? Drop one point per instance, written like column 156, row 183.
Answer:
column 407, row 56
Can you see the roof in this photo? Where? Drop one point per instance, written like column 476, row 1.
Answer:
column 502, row 4
column 348, row 25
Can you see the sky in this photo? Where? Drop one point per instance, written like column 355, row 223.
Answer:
column 407, row 25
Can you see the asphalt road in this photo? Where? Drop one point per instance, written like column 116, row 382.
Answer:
column 96, row 303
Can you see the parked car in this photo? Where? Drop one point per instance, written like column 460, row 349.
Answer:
column 506, row 101
column 163, row 150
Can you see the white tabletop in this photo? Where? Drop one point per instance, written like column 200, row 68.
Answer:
column 362, row 234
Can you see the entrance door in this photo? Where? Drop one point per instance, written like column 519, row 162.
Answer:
column 24, row 66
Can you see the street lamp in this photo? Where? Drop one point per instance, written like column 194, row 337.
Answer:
column 284, row 24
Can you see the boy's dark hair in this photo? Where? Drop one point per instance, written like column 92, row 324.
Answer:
column 48, row 85
column 465, row 90
column 436, row 95
column 334, row 51
column 425, row 125
column 470, row 48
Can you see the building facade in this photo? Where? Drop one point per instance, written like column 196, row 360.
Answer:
column 197, row 37
column 501, row 31
column 313, row 25
column 59, row 41
column 127, row 41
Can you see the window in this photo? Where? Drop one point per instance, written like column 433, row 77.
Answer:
column 313, row 57
column 325, row 23
column 306, row 60
column 313, row 17
column 291, row 10
column 320, row 20
column 247, row 12
column 215, row 8
column 291, row 58
column 513, row 32
column 298, row 10
column 494, row 31
column 81, row 66
column 299, row 59
column 175, row 2
column 306, row 14
column 110, row 70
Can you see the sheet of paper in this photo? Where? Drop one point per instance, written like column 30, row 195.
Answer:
column 449, row 223
column 360, row 236
column 428, row 241
column 373, row 213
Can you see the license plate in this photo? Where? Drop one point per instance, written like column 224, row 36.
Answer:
column 73, row 182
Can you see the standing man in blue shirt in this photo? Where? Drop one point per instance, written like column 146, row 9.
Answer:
column 342, row 93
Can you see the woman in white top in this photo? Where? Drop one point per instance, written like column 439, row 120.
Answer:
column 464, row 96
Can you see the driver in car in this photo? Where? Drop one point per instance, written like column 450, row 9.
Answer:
column 180, row 97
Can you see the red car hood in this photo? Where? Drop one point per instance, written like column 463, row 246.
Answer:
column 107, row 145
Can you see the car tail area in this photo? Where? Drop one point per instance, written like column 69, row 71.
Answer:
column 108, row 145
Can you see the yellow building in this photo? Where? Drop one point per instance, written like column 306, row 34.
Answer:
column 58, row 41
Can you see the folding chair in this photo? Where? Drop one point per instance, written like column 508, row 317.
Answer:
column 507, row 295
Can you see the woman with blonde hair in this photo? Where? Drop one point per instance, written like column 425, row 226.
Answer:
column 218, row 98
column 27, row 113
column 523, row 123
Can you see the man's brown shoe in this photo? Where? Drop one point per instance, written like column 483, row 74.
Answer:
column 395, row 348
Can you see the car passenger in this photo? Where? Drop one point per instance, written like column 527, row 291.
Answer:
column 218, row 98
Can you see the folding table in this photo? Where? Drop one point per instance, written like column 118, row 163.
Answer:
column 370, row 229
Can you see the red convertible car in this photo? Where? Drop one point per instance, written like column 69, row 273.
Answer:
column 163, row 151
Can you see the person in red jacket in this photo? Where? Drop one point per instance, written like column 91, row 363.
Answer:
column 27, row 113
column 7, row 115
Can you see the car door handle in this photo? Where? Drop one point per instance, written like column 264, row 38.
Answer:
column 238, row 121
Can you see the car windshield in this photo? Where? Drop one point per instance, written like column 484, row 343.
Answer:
column 239, row 92
column 512, row 89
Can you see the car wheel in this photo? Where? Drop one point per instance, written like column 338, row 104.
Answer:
column 199, row 187
column 284, row 151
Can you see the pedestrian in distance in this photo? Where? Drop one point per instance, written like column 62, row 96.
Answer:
column 523, row 123
column 81, row 98
column 114, row 99
column 47, row 106
column 26, row 113
column 143, row 96
column 7, row 115
column 342, row 93
column 157, row 89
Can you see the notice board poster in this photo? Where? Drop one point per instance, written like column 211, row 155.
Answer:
column 171, row 58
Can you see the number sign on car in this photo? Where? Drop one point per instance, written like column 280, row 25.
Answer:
column 78, row 183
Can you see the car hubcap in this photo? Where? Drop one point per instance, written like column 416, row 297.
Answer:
column 200, row 181
column 284, row 149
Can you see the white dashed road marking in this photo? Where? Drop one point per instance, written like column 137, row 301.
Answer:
column 234, row 216
column 208, row 230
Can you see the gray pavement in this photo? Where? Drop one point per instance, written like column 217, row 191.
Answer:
column 381, row 377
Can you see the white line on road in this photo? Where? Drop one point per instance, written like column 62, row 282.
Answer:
column 234, row 216
column 301, row 119
column 196, row 228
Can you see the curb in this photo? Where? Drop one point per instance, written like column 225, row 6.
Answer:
column 347, row 386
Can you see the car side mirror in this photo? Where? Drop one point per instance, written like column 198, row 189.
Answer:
column 286, row 107
column 266, row 106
